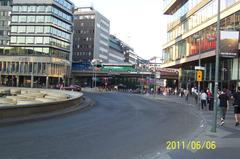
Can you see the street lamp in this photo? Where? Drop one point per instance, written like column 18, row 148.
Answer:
column 94, row 63
column 214, row 126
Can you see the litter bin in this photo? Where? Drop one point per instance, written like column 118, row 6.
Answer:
column 211, row 103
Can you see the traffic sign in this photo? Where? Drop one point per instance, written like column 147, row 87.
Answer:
column 199, row 75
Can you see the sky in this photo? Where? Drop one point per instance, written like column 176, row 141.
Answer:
column 139, row 23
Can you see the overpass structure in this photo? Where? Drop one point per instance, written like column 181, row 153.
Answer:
column 125, row 70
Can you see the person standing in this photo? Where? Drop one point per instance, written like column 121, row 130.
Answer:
column 236, row 105
column 204, row 100
column 224, row 105
column 186, row 93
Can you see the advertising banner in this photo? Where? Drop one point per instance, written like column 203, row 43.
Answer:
column 229, row 44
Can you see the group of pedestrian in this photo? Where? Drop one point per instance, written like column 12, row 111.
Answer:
column 224, row 97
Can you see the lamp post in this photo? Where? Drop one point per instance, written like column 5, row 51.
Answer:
column 94, row 62
column 197, row 37
column 214, row 126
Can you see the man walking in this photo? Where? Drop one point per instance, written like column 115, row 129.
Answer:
column 224, row 105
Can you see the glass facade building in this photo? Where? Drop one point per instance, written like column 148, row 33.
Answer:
column 192, row 31
column 40, row 47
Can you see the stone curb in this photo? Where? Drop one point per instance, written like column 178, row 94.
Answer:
column 84, row 105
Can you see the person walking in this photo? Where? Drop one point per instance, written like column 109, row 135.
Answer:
column 204, row 100
column 236, row 105
column 224, row 105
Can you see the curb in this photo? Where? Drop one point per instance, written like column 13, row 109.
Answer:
column 86, row 104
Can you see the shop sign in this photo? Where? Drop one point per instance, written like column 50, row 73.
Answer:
column 229, row 44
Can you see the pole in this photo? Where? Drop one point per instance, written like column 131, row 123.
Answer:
column 199, row 64
column 92, row 75
column 214, row 126
column 155, row 76
column 142, row 82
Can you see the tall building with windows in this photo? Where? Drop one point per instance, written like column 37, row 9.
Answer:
column 40, row 43
column 5, row 10
column 116, row 51
column 91, row 37
column 191, row 34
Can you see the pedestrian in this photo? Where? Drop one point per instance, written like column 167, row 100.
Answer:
column 203, row 100
column 186, row 93
column 209, row 94
column 224, row 105
column 236, row 105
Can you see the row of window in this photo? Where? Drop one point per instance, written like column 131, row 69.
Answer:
column 39, row 40
column 4, row 23
column 83, row 54
column 77, row 46
column 39, row 30
column 35, row 51
column 5, row 3
column 41, row 19
column 30, row 67
column 198, row 18
column 91, row 31
column 65, row 4
column 4, row 42
column 41, row 9
column 84, row 17
column 4, row 13
column 77, row 39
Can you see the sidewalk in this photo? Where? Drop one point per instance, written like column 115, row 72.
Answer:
column 227, row 137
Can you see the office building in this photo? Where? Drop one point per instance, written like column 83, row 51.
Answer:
column 191, row 34
column 91, row 38
column 116, row 51
column 39, row 53
column 5, row 10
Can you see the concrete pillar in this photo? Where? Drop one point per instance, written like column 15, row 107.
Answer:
column 32, row 80
column 47, row 82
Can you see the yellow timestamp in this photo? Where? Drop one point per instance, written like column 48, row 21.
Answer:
column 191, row 145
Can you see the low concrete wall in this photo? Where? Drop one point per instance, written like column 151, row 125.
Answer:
column 38, row 108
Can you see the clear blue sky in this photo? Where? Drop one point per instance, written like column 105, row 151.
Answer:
column 139, row 23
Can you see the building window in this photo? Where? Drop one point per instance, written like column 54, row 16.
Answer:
column 31, row 19
column 40, row 19
column 46, row 50
column 38, row 40
column 49, row 9
column 14, row 18
column 46, row 40
column 39, row 29
column 30, row 29
column 21, row 40
column 46, row 29
column 41, row 9
column 30, row 40
column 31, row 8
column 14, row 29
column 23, row 8
column 13, row 39
column 48, row 19
column 22, row 19
column 38, row 50
column 15, row 9
column 21, row 29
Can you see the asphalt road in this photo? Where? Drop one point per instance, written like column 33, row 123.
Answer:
column 119, row 126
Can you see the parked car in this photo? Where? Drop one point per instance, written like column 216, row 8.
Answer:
column 72, row 88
